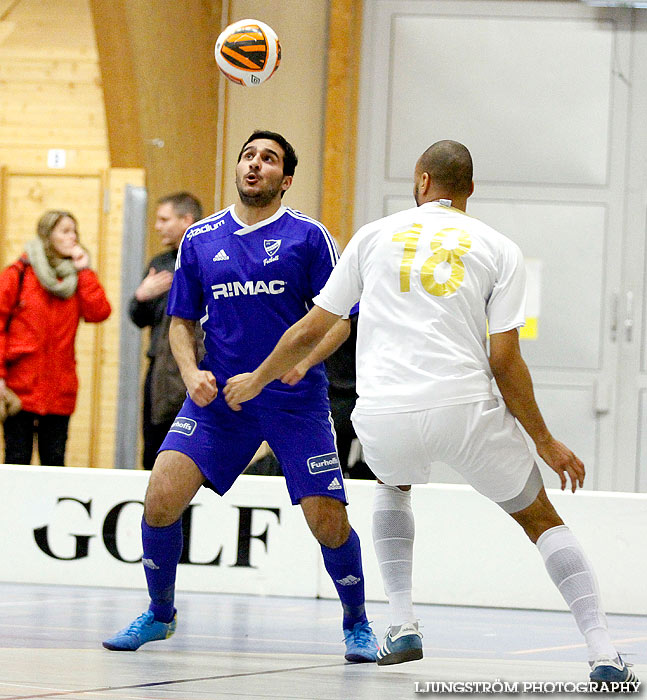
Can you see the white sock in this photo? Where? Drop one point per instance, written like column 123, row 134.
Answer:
column 393, row 534
column 575, row 579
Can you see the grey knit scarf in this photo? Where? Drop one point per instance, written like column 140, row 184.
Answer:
column 60, row 280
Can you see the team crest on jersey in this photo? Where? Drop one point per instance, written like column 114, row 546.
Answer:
column 271, row 248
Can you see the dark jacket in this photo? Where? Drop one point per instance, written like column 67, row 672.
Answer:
column 167, row 390
column 152, row 313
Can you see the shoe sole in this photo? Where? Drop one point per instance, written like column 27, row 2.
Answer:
column 112, row 647
column 400, row 657
column 357, row 659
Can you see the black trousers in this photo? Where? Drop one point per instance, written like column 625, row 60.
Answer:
column 153, row 433
column 51, row 431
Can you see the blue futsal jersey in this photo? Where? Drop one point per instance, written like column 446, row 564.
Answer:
column 247, row 285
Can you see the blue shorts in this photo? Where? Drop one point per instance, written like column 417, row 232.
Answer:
column 222, row 442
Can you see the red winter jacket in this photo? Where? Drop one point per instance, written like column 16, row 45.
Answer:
column 37, row 354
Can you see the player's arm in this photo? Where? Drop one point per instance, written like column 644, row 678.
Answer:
column 514, row 381
column 337, row 335
column 201, row 384
column 295, row 344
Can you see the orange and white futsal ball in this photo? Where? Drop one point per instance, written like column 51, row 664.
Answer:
column 248, row 52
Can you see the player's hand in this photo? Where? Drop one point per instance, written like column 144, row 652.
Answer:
column 241, row 388
column 562, row 461
column 296, row 374
column 202, row 387
column 80, row 257
column 154, row 285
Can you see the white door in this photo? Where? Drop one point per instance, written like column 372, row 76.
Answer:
column 631, row 434
column 541, row 95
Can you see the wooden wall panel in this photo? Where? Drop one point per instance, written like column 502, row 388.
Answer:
column 51, row 97
column 50, row 90
column 157, row 64
column 344, row 36
column 119, row 83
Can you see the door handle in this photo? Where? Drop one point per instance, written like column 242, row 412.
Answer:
column 613, row 328
column 629, row 317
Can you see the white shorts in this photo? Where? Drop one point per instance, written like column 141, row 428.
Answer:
column 481, row 441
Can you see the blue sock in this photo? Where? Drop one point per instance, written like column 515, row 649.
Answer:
column 162, row 551
column 344, row 566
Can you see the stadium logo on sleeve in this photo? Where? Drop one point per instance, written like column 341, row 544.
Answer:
column 204, row 229
column 186, row 426
column 323, row 463
column 271, row 248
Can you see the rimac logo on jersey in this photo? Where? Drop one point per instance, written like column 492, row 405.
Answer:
column 186, row 426
column 204, row 228
column 250, row 288
column 271, row 248
column 323, row 463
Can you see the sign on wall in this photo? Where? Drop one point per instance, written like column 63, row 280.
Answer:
column 82, row 527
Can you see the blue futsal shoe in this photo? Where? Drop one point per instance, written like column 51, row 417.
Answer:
column 144, row 629
column 613, row 675
column 361, row 644
column 401, row 643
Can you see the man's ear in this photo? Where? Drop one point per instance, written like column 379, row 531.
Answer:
column 424, row 182
column 287, row 183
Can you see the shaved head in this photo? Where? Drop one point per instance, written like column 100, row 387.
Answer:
column 449, row 166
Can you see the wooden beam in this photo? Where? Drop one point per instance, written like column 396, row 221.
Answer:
column 160, row 84
column 120, row 94
column 340, row 147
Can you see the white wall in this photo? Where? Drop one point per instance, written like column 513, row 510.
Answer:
column 468, row 552
column 292, row 102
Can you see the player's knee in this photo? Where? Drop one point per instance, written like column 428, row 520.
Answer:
column 160, row 507
column 173, row 483
column 332, row 534
column 327, row 520
column 538, row 517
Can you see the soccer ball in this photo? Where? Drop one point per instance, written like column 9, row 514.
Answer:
column 248, row 52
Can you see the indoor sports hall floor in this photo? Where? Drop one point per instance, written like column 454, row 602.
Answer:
column 249, row 647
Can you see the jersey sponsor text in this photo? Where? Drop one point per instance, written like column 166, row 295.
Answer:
column 249, row 288
column 323, row 463
column 183, row 425
column 204, row 229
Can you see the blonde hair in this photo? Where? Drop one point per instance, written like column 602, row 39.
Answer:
column 46, row 225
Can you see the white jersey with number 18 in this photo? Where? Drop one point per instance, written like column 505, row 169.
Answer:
column 430, row 280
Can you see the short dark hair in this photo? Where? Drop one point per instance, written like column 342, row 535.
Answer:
column 183, row 203
column 448, row 164
column 290, row 159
